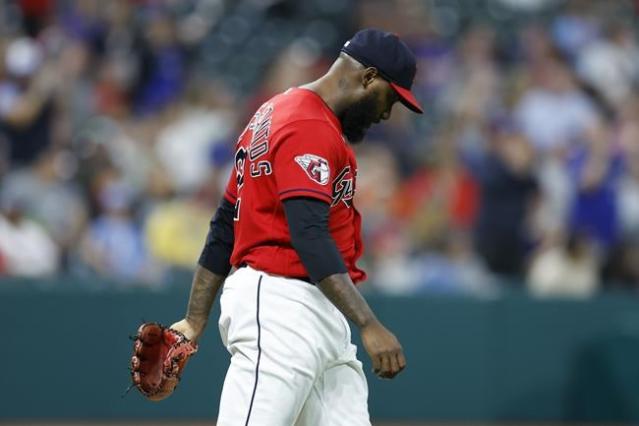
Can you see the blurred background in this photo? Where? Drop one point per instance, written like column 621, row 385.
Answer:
column 501, row 227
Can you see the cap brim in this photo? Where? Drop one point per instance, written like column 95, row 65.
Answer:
column 407, row 98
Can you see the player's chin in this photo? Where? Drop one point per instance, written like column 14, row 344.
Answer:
column 356, row 136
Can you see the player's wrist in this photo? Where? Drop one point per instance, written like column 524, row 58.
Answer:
column 190, row 328
column 368, row 322
column 197, row 324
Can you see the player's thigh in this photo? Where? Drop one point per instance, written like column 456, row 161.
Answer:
column 274, row 362
column 338, row 398
column 258, row 395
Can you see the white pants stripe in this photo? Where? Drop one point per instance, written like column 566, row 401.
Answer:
column 292, row 361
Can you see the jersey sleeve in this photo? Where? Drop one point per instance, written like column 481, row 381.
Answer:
column 307, row 156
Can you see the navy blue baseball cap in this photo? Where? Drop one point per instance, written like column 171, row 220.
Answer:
column 392, row 58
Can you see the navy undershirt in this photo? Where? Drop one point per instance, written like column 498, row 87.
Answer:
column 308, row 225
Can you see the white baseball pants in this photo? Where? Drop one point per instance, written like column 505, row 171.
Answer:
column 292, row 360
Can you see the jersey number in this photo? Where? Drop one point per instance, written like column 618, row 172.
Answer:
column 236, row 211
column 257, row 169
column 240, row 161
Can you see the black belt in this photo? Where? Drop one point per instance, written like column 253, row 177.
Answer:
column 305, row 279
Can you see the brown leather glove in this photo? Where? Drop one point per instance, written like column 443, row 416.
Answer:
column 159, row 356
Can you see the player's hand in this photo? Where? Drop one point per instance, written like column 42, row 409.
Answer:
column 384, row 349
column 186, row 328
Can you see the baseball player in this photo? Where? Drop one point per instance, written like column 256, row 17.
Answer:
column 288, row 226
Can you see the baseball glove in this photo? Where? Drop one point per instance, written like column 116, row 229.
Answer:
column 159, row 356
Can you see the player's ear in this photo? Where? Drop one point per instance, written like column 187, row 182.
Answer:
column 369, row 76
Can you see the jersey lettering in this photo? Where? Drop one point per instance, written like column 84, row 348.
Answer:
column 261, row 130
column 261, row 168
column 343, row 189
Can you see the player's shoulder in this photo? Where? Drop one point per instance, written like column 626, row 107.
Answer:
column 298, row 103
column 302, row 108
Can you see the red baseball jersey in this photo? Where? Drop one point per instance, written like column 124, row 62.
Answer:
column 292, row 147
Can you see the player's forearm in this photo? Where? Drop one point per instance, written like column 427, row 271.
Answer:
column 339, row 289
column 308, row 226
column 204, row 289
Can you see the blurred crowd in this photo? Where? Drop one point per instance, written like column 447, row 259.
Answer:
column 118, row 120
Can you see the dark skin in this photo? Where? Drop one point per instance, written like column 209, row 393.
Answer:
column 359, row 96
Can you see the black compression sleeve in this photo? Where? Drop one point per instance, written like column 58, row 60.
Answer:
column 217, row 250
column 308, row 225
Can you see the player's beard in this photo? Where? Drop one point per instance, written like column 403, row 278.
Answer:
column 357, row 118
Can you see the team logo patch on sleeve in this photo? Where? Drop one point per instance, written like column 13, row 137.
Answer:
column 315, row 167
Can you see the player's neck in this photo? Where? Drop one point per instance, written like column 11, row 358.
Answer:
column 328, row 88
